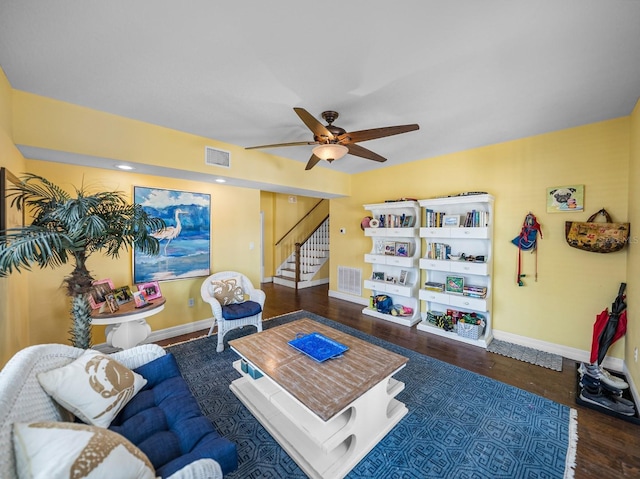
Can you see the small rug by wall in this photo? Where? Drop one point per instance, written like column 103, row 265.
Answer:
column 526, row 354
column 459, row 425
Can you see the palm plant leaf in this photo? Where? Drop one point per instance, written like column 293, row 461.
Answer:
column 22, row 247
column 66, row 229
column 41, row 194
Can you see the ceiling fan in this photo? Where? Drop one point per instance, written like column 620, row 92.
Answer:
column 334, row 142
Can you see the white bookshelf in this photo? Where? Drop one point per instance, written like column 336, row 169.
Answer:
column 475, row 240
column 398, row 224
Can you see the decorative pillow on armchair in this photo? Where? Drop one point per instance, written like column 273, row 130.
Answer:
column 228, row 291
column 48, row 450
column 94, row 387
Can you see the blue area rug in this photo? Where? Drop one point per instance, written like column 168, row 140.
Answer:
column 460, row 424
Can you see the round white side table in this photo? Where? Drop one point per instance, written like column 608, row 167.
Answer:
column 127, row 327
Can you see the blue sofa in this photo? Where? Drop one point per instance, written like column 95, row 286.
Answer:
column 165, row 422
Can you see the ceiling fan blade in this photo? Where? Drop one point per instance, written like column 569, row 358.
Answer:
column 362, row 152
column 278, row 145
column 372, row 134
column 318, row 129
column 313, row 161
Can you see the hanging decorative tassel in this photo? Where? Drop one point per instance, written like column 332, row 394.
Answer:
column 527, row 240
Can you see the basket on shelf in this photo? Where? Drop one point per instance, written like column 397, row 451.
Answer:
column 470, row 330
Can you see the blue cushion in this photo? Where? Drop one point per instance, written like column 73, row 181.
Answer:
column 165, row 422
column 241, row 310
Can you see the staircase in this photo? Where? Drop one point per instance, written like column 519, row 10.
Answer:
column 312, row 254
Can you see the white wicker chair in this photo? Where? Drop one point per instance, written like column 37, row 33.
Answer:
column 220, row 311
column 22, row 399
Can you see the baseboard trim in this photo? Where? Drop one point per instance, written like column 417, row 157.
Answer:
column 348, row 297
column 163, row 334
column 579, row 355
column 312, row 282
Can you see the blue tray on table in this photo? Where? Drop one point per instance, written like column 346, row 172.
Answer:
column 319, row 347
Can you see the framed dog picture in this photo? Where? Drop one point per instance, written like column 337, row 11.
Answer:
column 565, row 199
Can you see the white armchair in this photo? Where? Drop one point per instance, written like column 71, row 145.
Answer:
column 234, row 301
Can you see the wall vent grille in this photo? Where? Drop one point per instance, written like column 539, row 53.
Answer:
column 215, row 157
column 350, row 280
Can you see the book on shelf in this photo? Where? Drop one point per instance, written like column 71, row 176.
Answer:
column 396, row 221
column 433, row 219
column 475, row 219
column 438, row 251
column 475, row 291
column 433, row 286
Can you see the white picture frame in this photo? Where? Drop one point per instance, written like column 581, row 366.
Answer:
column 450, row 221
column 402, row 279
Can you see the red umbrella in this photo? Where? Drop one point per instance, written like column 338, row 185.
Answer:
column 609, row 327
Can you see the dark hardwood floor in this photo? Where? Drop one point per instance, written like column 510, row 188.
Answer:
column 607, row 447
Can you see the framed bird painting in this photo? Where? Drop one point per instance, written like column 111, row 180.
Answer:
column 185, row 241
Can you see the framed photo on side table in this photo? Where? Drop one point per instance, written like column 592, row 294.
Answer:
column 123, row 295
column 151, row 290
column 99, row 291
column 140, row 299
column 112, row 303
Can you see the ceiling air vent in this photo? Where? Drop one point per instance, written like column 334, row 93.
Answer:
column 215, row 157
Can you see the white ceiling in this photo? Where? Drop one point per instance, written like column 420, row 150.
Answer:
column 469, row 72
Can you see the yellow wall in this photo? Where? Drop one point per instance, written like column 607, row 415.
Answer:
column 231, row 235
column 14, row 331
column 633, row 265
column 573, row 285
column 45, row 123
column 267, row 208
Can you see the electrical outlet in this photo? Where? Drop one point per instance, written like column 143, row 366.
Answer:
column 635, row 355
column 192, row 302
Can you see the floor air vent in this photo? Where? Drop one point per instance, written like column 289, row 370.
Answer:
column 215, row 157
column 350, row 280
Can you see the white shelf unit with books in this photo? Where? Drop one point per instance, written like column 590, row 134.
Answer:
column 455, row 226
column 394, row 258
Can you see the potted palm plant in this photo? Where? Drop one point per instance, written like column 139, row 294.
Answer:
column 68, row 229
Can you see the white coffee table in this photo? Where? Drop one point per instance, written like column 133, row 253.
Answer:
column 326, row 415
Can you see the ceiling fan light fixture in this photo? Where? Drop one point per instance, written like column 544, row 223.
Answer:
column 330, row 151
